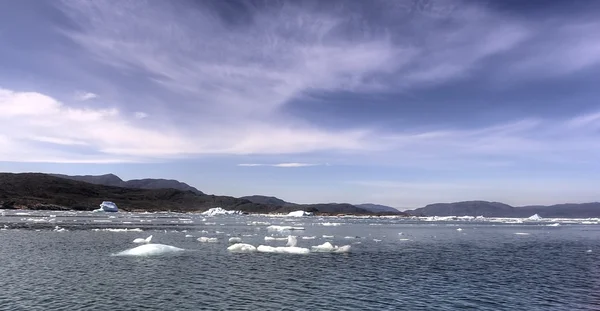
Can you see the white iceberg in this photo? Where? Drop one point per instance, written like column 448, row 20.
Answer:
column 329, row 248
column 235, row 240
column 241, row 248
column 534, row 217
column 299, row 214
column 217, row 211
column 150, row 250
column 204, row 239
column 282, row 250
column 140, row 240
column 107, row 206
column 283, row 228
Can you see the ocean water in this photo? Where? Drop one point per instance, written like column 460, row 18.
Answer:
column 394, row 264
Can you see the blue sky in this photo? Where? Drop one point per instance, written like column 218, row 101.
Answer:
column 396, row 102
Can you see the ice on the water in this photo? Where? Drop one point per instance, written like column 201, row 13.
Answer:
column 459, row 229
column 283, row 228
column 140, row 240
column 59, row 229
column 534, row 217
column 330, row 248
column 328, row 236
column 235, row 240
column 292, row 241
column 119, row 230
column 331, row 224
column 299, row 213
column 553, row 225
column 217, row 211
column 282, row 249
column 150, row 250
column 309, row 237
column 241, row 248
column 107, row 206
column 272, row 238
column 204, row 239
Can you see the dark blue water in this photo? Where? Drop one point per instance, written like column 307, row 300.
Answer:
column 429, row 266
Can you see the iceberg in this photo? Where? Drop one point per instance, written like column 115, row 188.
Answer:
column 150, row 250
column 107, row 206
column 292, row 241
column 218, row 211
column 329, row 248
column 235, row 240
column 207, row 240
column 282, row 249
column 534, row 217
column 241, row 248
column 142, row 241
column 299, row 214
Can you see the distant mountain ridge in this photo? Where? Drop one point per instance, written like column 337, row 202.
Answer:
column 146, row 183
column 496, row 209
column 333, row 208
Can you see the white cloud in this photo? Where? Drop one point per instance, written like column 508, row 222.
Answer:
column 290, row 164
column 140, row 115
column 83, row 96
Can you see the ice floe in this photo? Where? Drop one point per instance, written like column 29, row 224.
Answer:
column 59, row 229
column 534, row 217
column 553, row 225
column 330, row 248
column 272, row 238
column 282, row 249
column 150, row 250
column 299, row 214
column 241, row 248
column 140, row 240
column 331, row 224
column 119, row 230
column 292, row 241
column 283, row 228
column 107, row 206
column 204, row 239
column 235, row 240
column 218, row 211
column 309, row 237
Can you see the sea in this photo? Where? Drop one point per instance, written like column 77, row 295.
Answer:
column 84, row 261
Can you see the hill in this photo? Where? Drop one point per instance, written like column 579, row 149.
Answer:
column 42, row 191
column 147, row 183
column 323, row 208
column 378, row 208
column 496, row 209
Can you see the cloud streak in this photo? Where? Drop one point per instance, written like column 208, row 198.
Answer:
column 284, row 165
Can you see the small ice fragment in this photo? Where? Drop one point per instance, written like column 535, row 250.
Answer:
column 521, row 233
column 327, row 247
column 328, row 236
column 292, row 241
column 588, row 251
column 459, row 229
column 283, row 228
column 241, row 248
column 376, row 240
column 282, row 250
column 150, row 250
column 309, row 237
column 553, row 225
column 272, row 238
column 140, row 240
column 189, row 236
column 235, row 240
column 204, row 239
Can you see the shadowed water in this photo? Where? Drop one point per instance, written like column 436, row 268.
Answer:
column 429, row 266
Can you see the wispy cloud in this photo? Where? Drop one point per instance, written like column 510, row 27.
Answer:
column 291, row 164
column 83, row 96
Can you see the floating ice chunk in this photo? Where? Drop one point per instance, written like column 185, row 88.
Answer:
column 217, row 211
column 534, row 217
column 351, row 237
column 283, row 228
column 150, row 250
column 282, row 250
column 292, row 241
column 107, row 206
column 376, row 240
column 299, row 214
column 119, row 230
column 140, row 240
column 189, row 236
column 329, row 248
column 235, row 240
column 309, row 237
column 328, row 236
column 241, row 248
column 259, row 223
column 588, row 251
column 553, row 225
column 522, row 233
column 204, row 239
column 59, row 229
column 331, row 224
column 459, row 229
column 272, row 238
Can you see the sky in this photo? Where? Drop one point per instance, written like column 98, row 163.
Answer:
column 402, row 103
